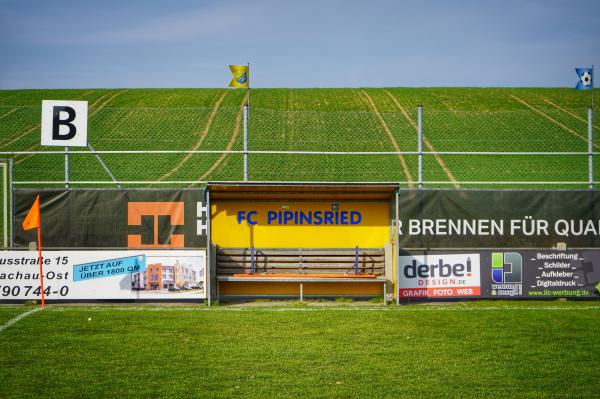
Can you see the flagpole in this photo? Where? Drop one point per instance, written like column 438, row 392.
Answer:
column 248, row 101
column 593, row 91
column 41, row 260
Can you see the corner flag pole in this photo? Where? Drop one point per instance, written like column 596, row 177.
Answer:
column 39, row 234
column 33, row 221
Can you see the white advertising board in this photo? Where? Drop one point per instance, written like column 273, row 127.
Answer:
column 80, row 275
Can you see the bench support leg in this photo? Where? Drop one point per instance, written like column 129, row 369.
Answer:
column 301, row 292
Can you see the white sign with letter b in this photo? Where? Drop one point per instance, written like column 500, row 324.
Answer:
column 64, row 123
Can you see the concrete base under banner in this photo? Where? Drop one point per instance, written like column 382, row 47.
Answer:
column 300, row 288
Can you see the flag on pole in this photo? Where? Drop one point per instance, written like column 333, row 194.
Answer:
column 32, row 220
column 586, row 78
column 241, row 76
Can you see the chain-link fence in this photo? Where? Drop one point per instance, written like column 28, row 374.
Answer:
column 186, row 146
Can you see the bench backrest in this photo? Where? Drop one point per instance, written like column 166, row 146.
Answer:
column 300, row 260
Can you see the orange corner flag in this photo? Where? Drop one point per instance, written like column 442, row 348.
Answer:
column 32, row 220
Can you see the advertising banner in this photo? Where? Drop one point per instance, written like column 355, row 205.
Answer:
column 114, row 218
column 499, row 274
column 81, row 275
column 499, row 219
column 300, row 224
column 440, row 275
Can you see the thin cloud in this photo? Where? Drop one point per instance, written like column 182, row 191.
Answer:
column 223, row 20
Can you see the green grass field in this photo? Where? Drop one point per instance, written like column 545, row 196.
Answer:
column 373, row 120
column 462, row 350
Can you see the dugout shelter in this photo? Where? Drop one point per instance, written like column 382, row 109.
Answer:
column 301, row 240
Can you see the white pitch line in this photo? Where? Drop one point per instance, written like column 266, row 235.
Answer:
column 16, row 319
column 322, row 309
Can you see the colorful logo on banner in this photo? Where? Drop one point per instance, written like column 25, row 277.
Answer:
column 109, row 268
column 173, row 210
column 439, row 275
column 507, row 274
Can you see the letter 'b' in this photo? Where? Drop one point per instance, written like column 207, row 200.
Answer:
column 57, row 122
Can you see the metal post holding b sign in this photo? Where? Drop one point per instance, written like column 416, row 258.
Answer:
column 64, row 124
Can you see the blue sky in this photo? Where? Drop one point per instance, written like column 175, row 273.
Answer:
column 136, row 43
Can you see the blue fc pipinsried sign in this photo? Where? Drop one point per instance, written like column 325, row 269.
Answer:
column 109, row 268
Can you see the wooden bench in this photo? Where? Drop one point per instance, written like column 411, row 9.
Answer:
column 301, row 265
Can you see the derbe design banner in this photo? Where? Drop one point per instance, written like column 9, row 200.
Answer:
column 439, row 275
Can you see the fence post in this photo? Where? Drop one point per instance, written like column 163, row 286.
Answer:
column 246, row 142
column 420, row 143
column 590, row 147
column 67, row 171
column 5, row 203
column 12, row 202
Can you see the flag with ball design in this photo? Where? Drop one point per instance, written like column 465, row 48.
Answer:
column 586, row 78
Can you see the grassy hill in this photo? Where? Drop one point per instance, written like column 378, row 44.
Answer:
column 369, row 120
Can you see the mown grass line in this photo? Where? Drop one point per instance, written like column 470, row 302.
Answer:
column 472, row 351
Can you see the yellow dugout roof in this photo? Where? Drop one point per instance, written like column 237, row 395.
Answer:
column 316, row 191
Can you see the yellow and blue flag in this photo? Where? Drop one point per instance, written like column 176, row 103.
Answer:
column 586, row 78
column 241, row 76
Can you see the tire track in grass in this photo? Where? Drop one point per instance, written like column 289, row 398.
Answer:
column 386, row 128
column 7, row 97
column 102, row 97
column 11, row 111
column 428, row 143
column 25, row 133
column 574, row 115
column 94, row 112
column 551, row 119
column 236, row 131
column 105, row 103
column 203, row 135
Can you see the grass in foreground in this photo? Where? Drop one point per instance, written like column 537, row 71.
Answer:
column 485, row 349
